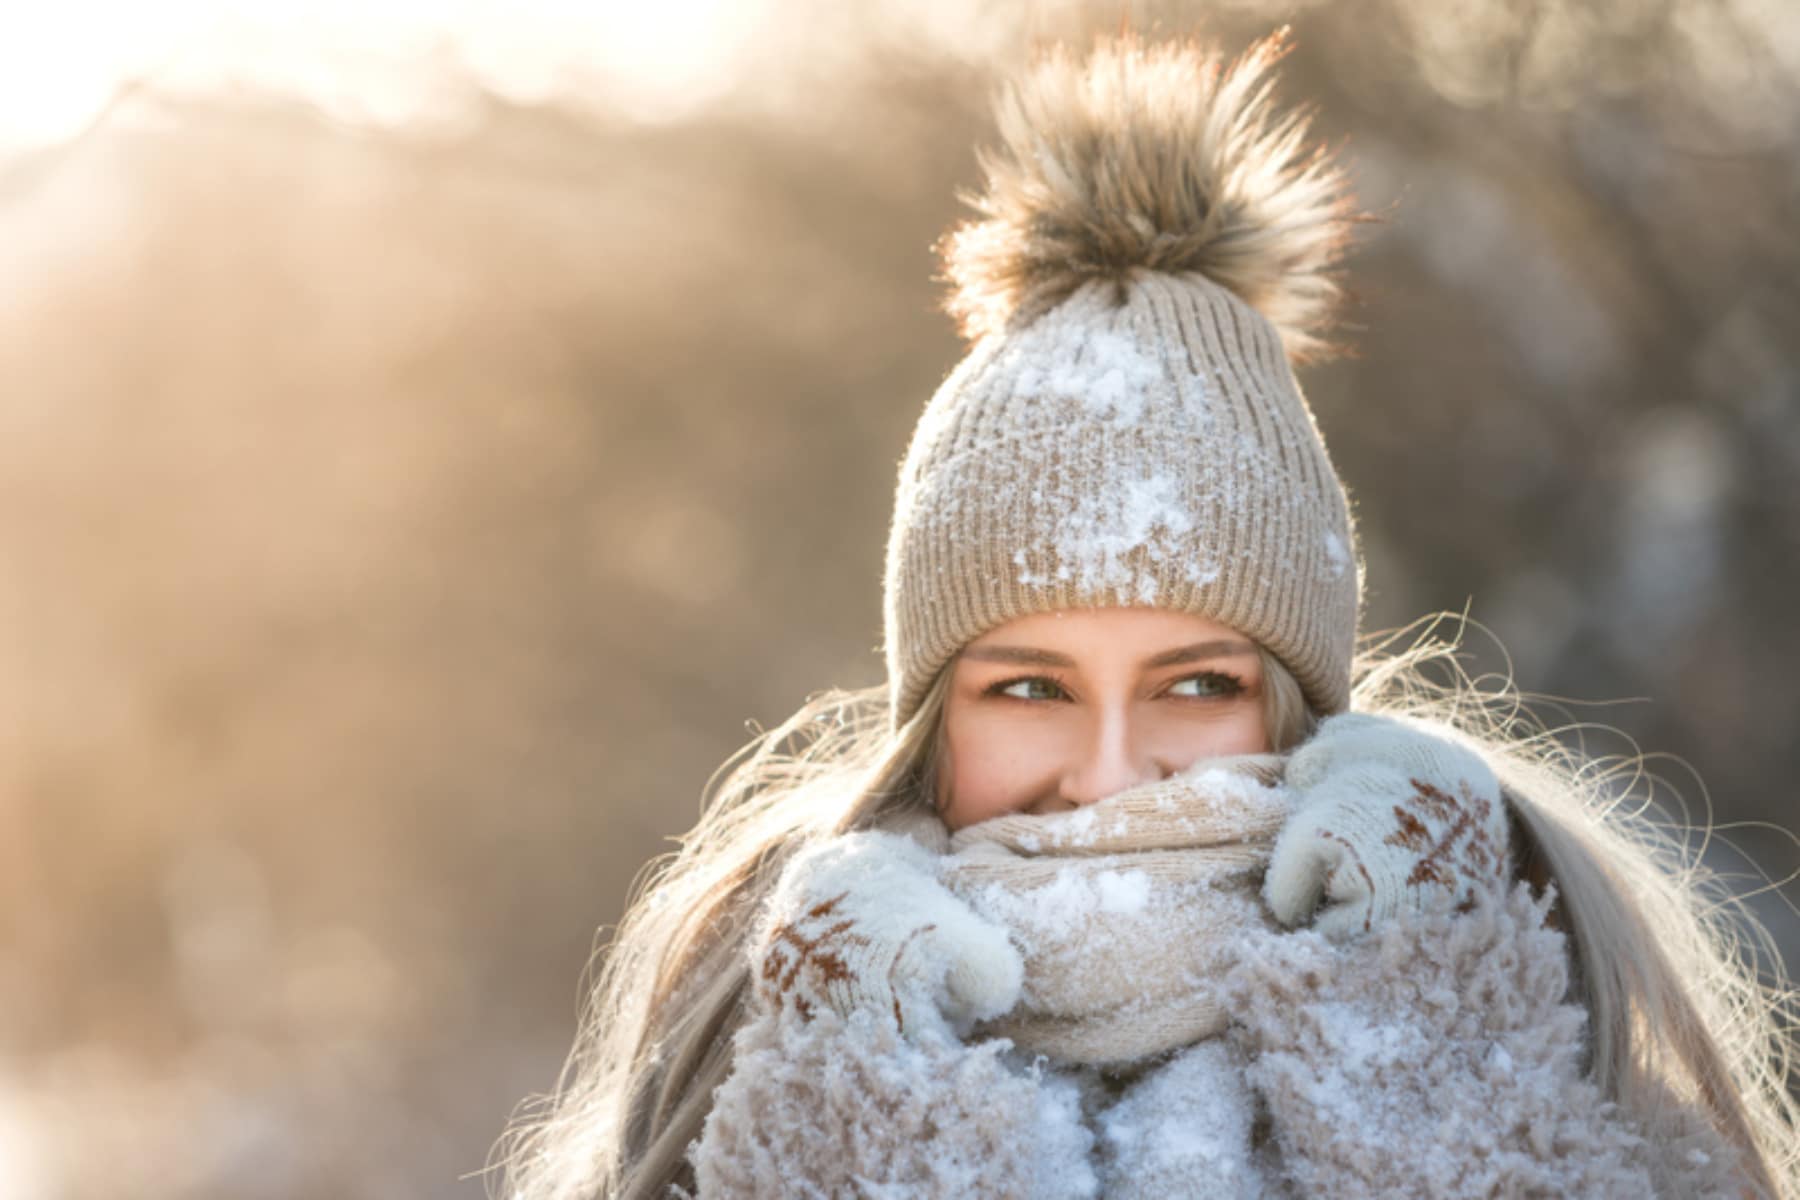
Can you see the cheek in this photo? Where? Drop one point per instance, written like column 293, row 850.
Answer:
column 1183, row 743
column 987, row 772
column 1249, row 733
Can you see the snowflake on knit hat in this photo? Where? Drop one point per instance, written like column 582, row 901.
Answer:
column 1103, row 371
column 1099, row 542
column 1149, row 526
column 1337, row 555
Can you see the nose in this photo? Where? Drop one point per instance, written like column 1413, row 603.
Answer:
column 1110, row 759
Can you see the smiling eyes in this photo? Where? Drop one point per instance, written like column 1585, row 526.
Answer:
column 1037, row 687
column 1206, row 685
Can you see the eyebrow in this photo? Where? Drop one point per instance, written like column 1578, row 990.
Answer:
column 1024, row 656
column 1030, row 656
column 1218, row 648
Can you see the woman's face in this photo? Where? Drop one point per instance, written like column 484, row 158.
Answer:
column 1057, row 710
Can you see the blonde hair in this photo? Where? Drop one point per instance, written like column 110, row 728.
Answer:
column 1687, row 998
column 1667, row 957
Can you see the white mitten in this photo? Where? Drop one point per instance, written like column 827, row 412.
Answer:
column 860, row 922
column 1389, row 817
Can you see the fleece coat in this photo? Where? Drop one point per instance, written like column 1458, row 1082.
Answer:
column 1435, row 1057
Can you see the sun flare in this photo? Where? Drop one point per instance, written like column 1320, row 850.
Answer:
column 389, row 63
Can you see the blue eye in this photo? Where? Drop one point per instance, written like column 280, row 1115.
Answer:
column 1206, row 684
column 1037, row 687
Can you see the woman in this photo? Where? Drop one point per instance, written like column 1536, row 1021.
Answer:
column 1131, row 881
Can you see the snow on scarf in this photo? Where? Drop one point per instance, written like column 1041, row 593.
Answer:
column 1126, row 911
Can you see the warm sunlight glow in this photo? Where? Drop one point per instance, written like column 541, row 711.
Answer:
column 23, row 1171
column 387, row 63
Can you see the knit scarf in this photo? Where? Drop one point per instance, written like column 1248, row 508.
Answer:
column 1126, row 911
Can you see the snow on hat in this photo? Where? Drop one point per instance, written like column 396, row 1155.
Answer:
column 1154, row 241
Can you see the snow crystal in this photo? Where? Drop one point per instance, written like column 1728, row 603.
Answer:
column 1337, row 555
column 1107, row 373
column 1123, row 891
column 1363, row 1042
column 1231, row 793
column 1053, row 911
column 1077, row 829
column 1149, row 523
column 1083, row 827
column 1063, row 907
column 1062, row 1152
column 1189, row 1120
column 1096, row 541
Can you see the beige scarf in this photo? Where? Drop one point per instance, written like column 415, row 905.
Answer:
column 1126, row 911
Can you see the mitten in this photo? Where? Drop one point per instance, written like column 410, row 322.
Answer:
column 861, row 923
column 1389, row 818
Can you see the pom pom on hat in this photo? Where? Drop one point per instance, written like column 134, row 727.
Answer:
column 1155, row 157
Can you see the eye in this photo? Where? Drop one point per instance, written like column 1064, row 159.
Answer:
column 1206, row 685
column 1035, row 687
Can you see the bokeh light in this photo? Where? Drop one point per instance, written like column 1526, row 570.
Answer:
column 428, row 433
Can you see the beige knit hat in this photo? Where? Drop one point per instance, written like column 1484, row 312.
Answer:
column 1155, row 240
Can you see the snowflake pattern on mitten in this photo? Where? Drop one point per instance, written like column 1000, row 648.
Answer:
column 812, row 953
column 1453, row 836
column 1390, row 817
column 861, row 923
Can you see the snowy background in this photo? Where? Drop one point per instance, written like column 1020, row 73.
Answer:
column 426, row 439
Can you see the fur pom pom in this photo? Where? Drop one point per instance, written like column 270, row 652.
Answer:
column 1152, row 157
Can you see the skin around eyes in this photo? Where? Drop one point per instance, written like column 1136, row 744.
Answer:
column 1056, row 710
column 1207, row 685
column 1203, row 685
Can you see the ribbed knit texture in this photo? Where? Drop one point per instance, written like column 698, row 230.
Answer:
column 1149, row 448
column 1127, row 912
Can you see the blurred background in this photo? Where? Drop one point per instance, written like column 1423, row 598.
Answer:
column 429, row 433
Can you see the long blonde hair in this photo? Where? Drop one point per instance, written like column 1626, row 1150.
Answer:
column 1668, row 959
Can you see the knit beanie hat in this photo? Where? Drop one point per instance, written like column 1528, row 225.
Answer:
column 1154, row 241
